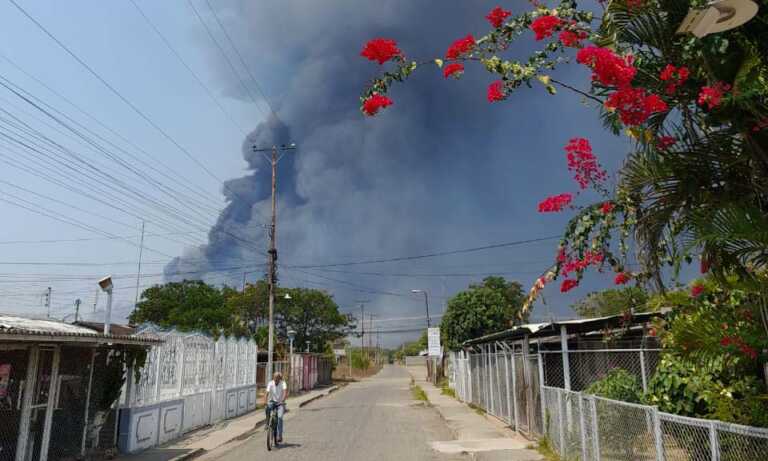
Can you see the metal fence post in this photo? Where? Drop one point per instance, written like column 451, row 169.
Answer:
column 595, row 429
column 582, row 428
column 643, row 372
column 509, row 387
column 566, row 362
column 560, row 422
column 657, row 435
column 490, row 404
column 514, row 388
column 714, row 443
column 541, row 385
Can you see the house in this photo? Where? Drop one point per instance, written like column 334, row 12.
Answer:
column 54, row 375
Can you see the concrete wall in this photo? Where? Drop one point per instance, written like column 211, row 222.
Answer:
column 145, row 427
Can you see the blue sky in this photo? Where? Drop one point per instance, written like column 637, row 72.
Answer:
column 440, row 170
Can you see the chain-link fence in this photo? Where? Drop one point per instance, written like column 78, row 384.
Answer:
column 589, row 365
column 586, row 427
column 525, row 388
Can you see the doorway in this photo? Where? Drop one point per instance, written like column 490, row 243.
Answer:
column 39, row 395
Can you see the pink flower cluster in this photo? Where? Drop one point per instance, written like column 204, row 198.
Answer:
column 608, row 68
column 675, row 76
column 583, row 163
column 591, row 258
column 555, row 203
column 381, row 50
column 712, row 96
column 497, row 16
column 545, row 26
column 460, row 47
column 496, row 91
column 745, row 348
column 455, row 69
column 374, row 103
column 635, row 105
column 572, row 38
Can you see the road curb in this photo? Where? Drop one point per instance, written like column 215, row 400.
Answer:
column 318, row 397
column 192, row 454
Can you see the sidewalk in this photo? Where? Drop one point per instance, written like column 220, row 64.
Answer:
column 483, row 437
column 209, row 438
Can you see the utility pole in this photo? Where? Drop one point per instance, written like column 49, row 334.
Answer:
column 48, row 302
column 272, row 256
column 138, row 270
column 77, row 309
column 96, row 300
column 362, row 334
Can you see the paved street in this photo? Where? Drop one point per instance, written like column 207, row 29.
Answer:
column 372, row 420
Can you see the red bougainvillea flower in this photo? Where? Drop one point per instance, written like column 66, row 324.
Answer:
column 607, row 207
column 545, row 26
column 496, row 91
column 578, row 265
column 697, row 290
column 608, row 67
column 760, row 125
column 634, row 105
column 381, row 50
column 572, row 38
column 454, row 70
column 460, row 47
column 665, row 142
column 568, row 285
column 704, row 265
column 622, row 278
column 583, row 162
column 711, row 96
column 555, row 203
column 633, row 4
column 749, row 351
column 676, row 76
column 726, row 341
column 561, row 255
column 375, row 102
column 651, row 332
column 497, row 16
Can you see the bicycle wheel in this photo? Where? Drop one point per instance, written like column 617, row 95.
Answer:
column 270, row 434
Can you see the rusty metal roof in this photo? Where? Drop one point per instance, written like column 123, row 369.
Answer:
column 24, row 329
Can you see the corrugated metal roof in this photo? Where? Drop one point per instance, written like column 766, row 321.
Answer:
column 15, row 328
column 538, row 330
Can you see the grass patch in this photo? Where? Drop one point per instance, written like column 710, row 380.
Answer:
column 419, row 394
column 477, row 409
column 545, row 449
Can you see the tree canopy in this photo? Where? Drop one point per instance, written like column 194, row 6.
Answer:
column 195, row 305
column 613, row 301
column 482, row 309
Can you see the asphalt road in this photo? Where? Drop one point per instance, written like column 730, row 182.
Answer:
column 376, row 419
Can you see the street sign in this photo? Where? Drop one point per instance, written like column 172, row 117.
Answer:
column 433, row 342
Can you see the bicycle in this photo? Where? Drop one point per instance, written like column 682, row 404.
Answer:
column 271, row 427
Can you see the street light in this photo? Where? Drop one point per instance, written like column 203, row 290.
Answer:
column 426, row 303
column 106, row 286
column 717, row 16
column 291, row 336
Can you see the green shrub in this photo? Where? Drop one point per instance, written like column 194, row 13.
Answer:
column 618, row 384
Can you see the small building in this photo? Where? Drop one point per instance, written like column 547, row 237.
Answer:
column 59, row 384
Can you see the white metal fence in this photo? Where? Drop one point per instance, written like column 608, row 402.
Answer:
column 525, row 387
column 191, row 363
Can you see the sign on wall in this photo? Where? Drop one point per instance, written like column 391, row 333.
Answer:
column 433, row 342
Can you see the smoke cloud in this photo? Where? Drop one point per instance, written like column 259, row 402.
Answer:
column 440, row 169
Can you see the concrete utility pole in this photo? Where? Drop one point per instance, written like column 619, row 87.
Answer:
column 48, row 302
column 272, row 276
column 138, row 270
column 77, row 309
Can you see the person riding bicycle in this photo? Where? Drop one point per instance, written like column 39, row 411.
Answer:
column 277, row 392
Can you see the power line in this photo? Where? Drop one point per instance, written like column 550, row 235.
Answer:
column 187, row 66
column 242, row 61
column 427, row 255
column 125, row 100
column 224, row 54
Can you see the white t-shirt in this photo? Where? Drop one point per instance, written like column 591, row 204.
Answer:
column 276, row 393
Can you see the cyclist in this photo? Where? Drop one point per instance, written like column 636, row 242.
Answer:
column 277, row 392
